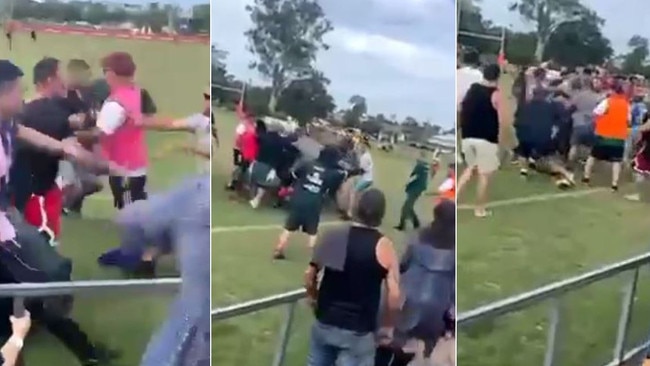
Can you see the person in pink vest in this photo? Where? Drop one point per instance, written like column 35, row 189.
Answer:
column 122, row 131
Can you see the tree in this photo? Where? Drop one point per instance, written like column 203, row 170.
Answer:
column 547, row 15
column 200, row 22
column 578, row 43
column 634, row 61
column 307, row 98
column 286, row 37
column 354, row 114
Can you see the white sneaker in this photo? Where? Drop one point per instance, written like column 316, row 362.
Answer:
column 633, row 197
column 254, row 203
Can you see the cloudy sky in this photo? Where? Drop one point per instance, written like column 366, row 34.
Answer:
column 400, row 55
column 623, row 19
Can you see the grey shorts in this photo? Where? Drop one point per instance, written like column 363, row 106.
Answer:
column 73, row 174
column 582, row 135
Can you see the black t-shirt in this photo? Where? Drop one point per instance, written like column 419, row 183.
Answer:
column 49, row 116
column 148, row 105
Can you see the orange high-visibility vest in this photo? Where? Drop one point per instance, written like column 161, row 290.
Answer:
column 447, row 190
column 613, row 123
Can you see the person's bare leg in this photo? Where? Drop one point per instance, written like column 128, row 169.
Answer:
column 616, row 174
column 639, row 180
column 480, row 209
column 312, row 240
column 589, row 167
column 566, row 176
column 255, row 202
column 464, row 178
column 523, row 166
column 352, row 201
column 283, row 242
column 150, row 254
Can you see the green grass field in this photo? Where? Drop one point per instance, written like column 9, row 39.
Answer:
column 526, row 245
column 241, row 258
column 175, row 74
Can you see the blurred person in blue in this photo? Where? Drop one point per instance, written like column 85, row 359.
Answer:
column 427, row 285
column 177, row 220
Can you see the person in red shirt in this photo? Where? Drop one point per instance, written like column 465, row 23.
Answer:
column 246, row 146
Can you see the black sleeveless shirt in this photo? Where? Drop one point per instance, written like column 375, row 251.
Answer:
column 478, row 117
column 350, row 299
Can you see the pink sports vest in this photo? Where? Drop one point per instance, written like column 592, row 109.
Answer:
column 127, row 146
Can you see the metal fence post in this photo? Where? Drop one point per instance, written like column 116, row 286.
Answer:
column 285, row 333
column 19, row 307
column 627, row 302
column 555, row 318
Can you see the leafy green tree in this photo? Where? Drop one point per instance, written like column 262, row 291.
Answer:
column 285, row 38
column 634, row 61
column 579, row 43
column 547, row 16
column 307, row 98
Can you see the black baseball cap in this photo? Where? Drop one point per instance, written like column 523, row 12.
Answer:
column 9, row 71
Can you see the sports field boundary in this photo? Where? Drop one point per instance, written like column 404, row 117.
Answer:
column 501, row 203
column 537, row 198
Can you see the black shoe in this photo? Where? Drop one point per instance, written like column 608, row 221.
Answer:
column 416, row 225
column 103, row 355
column 230, row 187
column 279, row 255
column 146, row 269
column 585, row 180
column 399, row 227
column 614, row 188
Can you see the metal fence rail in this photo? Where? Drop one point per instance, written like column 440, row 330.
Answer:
column 288, row 299
column 27, row 290
column 555, row 292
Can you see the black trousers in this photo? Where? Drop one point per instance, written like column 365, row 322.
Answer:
column 386, row 356
column 127, row 189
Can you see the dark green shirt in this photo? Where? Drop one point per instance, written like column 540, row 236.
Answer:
column 312, row 182
column 419, row 178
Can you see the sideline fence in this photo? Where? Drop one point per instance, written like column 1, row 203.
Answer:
column 555, row 294
column 22, row 291
column 289, row 299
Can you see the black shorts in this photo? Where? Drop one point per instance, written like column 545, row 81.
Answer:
column 304, row 219
column 612, row 153
column 127, row 190
column 535, row 150
column 237, row 159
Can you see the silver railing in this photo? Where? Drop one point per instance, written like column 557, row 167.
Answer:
column 556, row 292
column 289, row 299
column 22, row 291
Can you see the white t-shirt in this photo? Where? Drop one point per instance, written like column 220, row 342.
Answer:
column 111, row 116
column 365, row 163
column 465, row 77
column 202, row 137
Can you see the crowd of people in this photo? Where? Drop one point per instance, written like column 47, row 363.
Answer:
column 565, row 121
column 55, row 147
column 371, row 308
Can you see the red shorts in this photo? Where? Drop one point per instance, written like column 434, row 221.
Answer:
column 44, row 212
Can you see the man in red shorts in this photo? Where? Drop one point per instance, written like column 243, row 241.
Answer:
column 41, row 197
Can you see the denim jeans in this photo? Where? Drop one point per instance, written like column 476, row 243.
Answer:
column 332, row 346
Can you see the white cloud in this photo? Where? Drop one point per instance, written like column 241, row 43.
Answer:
column 402, row 69
column 407, row 58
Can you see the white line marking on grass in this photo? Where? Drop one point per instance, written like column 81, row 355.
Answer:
column 537, row 198
column 230, row 229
